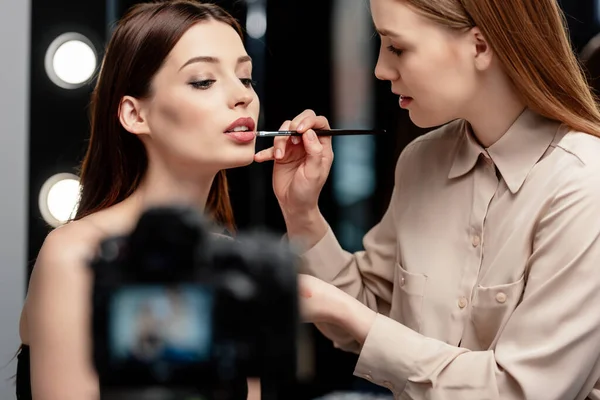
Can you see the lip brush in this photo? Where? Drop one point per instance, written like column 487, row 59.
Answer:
column 319, row 132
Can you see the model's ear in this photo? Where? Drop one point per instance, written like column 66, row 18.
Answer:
column 132, row 116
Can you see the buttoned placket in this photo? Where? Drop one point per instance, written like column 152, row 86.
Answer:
column 485, row 185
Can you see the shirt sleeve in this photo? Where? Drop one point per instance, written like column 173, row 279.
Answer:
column 549, row 347
column 366, row 275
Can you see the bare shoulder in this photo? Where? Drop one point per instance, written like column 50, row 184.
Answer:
column 66, row 250
column 60, row 268
column 55, row 322
column 76, row 240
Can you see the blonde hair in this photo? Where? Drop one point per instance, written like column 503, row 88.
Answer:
column 531, row 41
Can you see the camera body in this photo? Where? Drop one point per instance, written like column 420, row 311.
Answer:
column 176, row 306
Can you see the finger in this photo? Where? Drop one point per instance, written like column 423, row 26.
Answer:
column 316, row 123
column 285, row 126
column 312, row 122
column 305, row 114
column 279, row 143
column 314, row 154
column 326, row 142
column 265, row 155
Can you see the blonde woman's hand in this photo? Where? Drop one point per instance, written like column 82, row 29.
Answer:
column 301, row 164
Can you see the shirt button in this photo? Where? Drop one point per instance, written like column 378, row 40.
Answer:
column 402, row 281
column 476, row 240
column 501, row 297
column 368, row 377
column 462, row 302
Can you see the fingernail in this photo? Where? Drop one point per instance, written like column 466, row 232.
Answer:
column 278, row 153
column 311, row 135
column 295, row 139
column 300, row 127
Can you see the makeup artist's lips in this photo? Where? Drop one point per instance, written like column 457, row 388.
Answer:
column 242, row 130
column 405, row 101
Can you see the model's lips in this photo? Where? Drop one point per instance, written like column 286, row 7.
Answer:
column 242, row 136
column 242, row 130
column 241, row 125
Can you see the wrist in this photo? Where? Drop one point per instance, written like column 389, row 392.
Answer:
column 305, row 226
column 355, row 318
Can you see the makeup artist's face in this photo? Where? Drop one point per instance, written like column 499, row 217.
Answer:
column 424, row 61
column 203, row 109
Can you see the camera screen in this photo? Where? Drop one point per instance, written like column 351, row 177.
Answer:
column 150, row 324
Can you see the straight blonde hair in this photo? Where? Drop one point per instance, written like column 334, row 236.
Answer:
column 531, row 41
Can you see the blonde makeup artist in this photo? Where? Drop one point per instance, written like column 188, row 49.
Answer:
column 482, row 280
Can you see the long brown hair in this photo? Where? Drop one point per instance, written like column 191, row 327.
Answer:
column 531, row 41
column 116, row 160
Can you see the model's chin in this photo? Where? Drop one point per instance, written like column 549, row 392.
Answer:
column 242, row 158
column 244, row 163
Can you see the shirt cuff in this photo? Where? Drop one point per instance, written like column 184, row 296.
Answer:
column 325, row 259
column 389, row 355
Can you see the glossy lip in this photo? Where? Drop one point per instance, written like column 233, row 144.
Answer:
column 405, row 101
column 246, row 121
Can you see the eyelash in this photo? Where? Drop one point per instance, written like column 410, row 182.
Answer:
column 248, row 82
column 394, row 50
column 207, row 83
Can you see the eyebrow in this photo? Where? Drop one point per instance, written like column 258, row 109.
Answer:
column 213, row 60
column 385, row 32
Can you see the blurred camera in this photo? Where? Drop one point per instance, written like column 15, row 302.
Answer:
column 180, row 308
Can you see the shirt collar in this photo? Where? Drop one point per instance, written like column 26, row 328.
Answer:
column 514, row 154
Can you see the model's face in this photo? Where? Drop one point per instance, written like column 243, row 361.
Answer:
column 200, row 96
column 429, row 65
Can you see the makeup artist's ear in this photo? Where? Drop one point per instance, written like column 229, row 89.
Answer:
column 483, row 53
column 132, row 116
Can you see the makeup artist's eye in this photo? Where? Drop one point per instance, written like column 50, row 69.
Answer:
column 394, row 50
column 248, row 82
column 204, row 84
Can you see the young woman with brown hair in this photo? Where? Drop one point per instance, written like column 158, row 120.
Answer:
column 482, row 280
column 173, row 107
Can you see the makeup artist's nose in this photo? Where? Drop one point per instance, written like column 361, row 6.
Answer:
column 384, row 71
